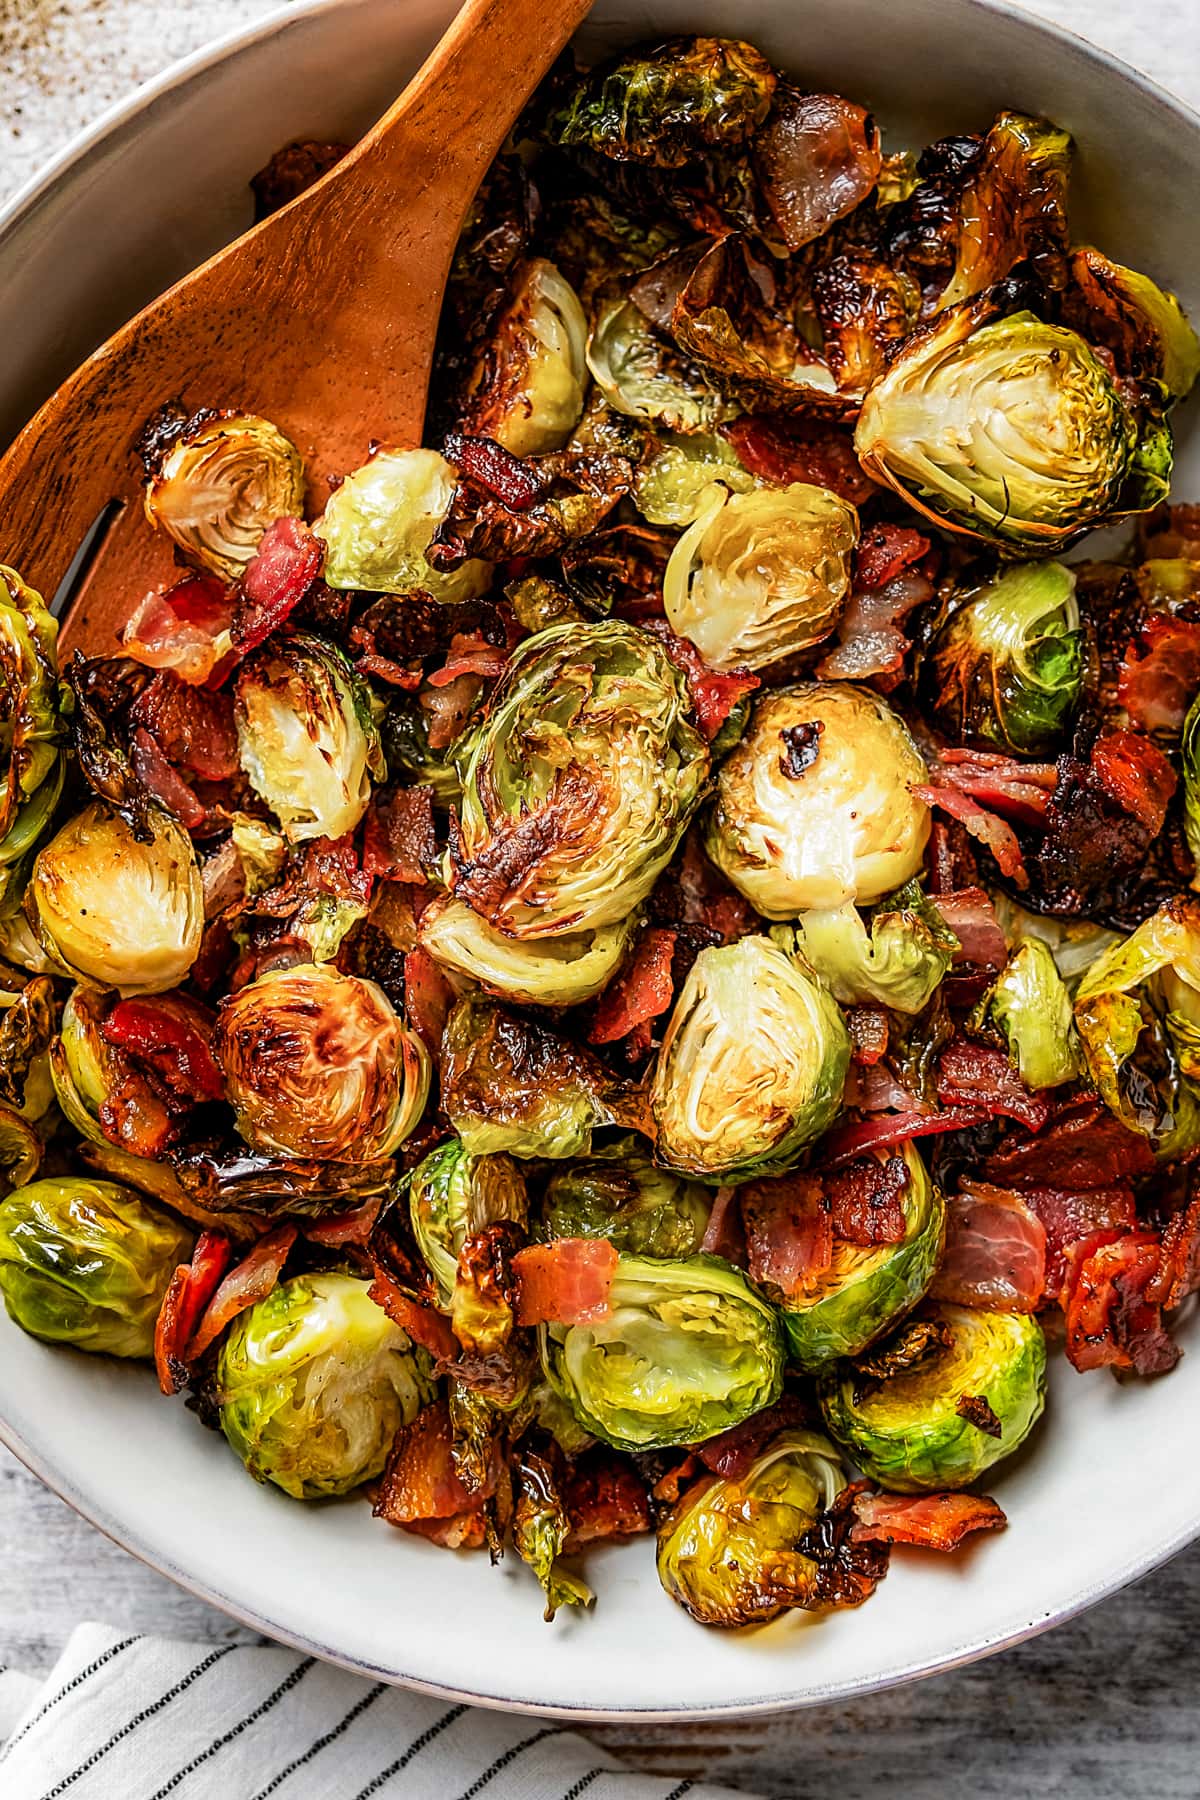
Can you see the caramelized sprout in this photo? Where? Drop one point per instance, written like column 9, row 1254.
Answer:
column 451, row 1196
column 555, row 971
column 620, row 1194
column 378, row 525
column 220, row 484
column 900, row 963
column 527, row 394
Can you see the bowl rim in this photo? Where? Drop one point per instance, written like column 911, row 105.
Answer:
column 123, row 117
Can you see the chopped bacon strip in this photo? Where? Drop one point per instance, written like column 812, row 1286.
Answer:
column 192, row 726
column 723, row 1235
column 567, row 1281
column 419, row 1483
column 846, row 1142
column 1085, row 1146
column 780, row 450
column 189, row 1292
column 1179, row 1274
column 714, row 692
column 868, row 1027
column 185, row 629
column 1019, row 790
column 170, row 1367
column 165, row 783
column 399, row 837
column 470, row 654
column 998, row 836
column 976, row 1075
column 288, row 561
column 866, row 1201
column 1157, row 686
column 1070, row 1216
column 884, row 551
column 789, row 1233
column 732, row 1452
column 871, row 642
column 641, row 992
column 1132, row 770
column 971, row 916
column 423, row 1325
column 171, row 1032
column 135, row 1117
column 995, row 1251
column 933, row 1521
column 251, row 1281
column 1112, row 1322
column 428, row 998
column 605, row 1498
column 518, row 485
column 353, row 1227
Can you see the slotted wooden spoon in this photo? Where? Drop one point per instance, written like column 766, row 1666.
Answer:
column 322, row 319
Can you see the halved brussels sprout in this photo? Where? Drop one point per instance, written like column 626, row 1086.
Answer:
column 317, row 1064
column 1014, row 207
column 1146, row 329
column 1009, row 664
column 527, row 393
column 1074, row 944
column 679, row 477
column 578, row 783
column 761, row 576
column 313, row 1384
column 619, row 1194
column 83, row 1067
column 218, row 486
column 815, row 806
column 1009, row 430
column 30, row 729
column 1029, row 1005
column 114, row 910
column 643, row 376
column 1189, row 756
column 558, row 971
column 912, row 1433
column 752, row 1065
column 508, row 1085
column 868, row 1287
column 306, row 736
column 687, row 1349
column 1137, row 1011
column 452, row 1195
column 377, row 527
column 87, row 1263
column 729, row 1549
column 899, row 964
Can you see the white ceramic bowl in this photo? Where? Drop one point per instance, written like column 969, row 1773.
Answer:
column 1111, row 1485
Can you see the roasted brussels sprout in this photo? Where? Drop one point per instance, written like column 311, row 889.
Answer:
column 643, row 376
column 1008, row 666
column 313, row 1384
column 686, row 1350
column 1189, row 756
column 752, row 1065
column 508, row 1085
column 84, row 1068
column 729, row 1550
column 868, row 1287
column 1009, row 430
column 377, row 527
column 527, row 393
column 1028, row 1004
column 1146, row 329
column 452, row 1195
column 1014, row 207
column 912, row 1432
column 1073, row 943
column 761, row 576
column 87, row 1263
column 30, row 730
column 114, row 910
column 898, row 964
column 557, row 971
column 219, row 484
column 1137, row 1011
column 317, row 1064
column 306, row 736
column 578, row 783
column 682, row 474
column 617, row 1193
column 815, row 806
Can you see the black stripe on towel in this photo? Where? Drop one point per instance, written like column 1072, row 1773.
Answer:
column 584, row 1783
column 235, row 1731
column 323, row 1742
column 140, row 1719
column 75, row 1682
column 414, row 1749
column 503, row 1762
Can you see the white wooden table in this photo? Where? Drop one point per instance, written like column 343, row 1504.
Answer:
column 1102, row 1709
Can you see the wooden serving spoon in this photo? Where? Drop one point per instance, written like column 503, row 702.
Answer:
column 322, row 319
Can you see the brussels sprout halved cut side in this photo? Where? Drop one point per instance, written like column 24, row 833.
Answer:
column 910, row 1433
column 687, row 1349
column 452, row 1194
column 618, row 1193
column 867, row 1288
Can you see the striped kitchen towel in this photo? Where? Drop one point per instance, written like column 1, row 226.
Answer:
column 141, row 1718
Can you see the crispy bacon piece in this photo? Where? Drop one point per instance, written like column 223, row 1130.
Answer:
column 868, row 1027
column 866, row 1200
column 641, row 992
column 428, row 998
column 846, row 1142
column 884, row 551
column 780, row 449
column 1132, row 770
column 190, row 1289
column 817, row 156
column 1019, row 790
column 976, row 1075
column 731, row 1453
column 1068, row 1216
column 288, row 561
column 1112, row 1321
column 136, row 1117
column 972, row 918
column 419, row 1485
column 251, row 1281
column 184, row 629
column 871, row 642
column 171, row 1032
column 996, row 834
column 723, row 1235
column 192, row 726
column 1083, row 1147
column 995, row 1251
column 423, row 1325
column 399, row 838
column 169, row 1364
column 566, row 1282
column 695, row 893
column 352, row 1227
column 470, row 654
column 515, row 483
column 605, row 1498
column 1159, row 674
column 789, row 1232
column 165, row 783
column 933, row 1521
column 714, row 692
column 1179, row 1272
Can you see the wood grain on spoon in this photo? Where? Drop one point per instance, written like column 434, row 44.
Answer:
column 323, row 319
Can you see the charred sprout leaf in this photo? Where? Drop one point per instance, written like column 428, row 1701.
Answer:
column 730, row 1550
column 378, row 525
column 577, row 784
column 687, row 1349
column 87, row 1263
column 306, row 736
column 452, row 1195
column 908, row 1433
column 1146, row 329
column 761, row 576
column 483, row 1303
column 553, row 971
column 865, row 307
column 115, row 910
column 554, row 500
column 617, row 1193
column 540, row 1529
column 313, row 1384
column 30, row 730
column 1009, row 665
column 20, row 1151
column 26, row 1029
column 317, row 1064
column 1189, row 752
column 682, row 474
column 1137, row 1011
column 866, row 1288
column 752, row 1065
column 666, row 104
column 216, row 487
column 101, row 691
column 1009, row 430
column 1029, row 1005
column 527, row 389
column 846, row 828
column 642, row 375
column 1013, row 208
column 898, row 964
column 908, row 1345
column 228, row 1181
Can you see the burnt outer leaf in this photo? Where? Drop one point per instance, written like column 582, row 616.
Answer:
column 26, row 1029
column 578, row 491
column 865, row 307
column 914, row 1342
column 103, row 689
column 975, row 1409
column 801, row 747
column 233, row 1178
column 847, row 1573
